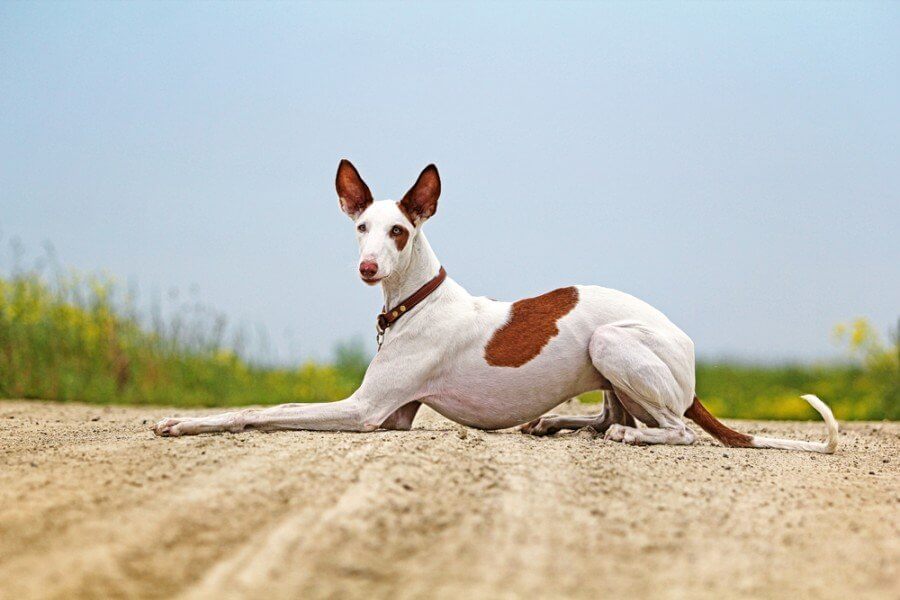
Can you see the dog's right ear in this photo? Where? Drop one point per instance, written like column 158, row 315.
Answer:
column 352, row 191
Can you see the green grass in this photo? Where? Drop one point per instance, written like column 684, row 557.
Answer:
column 853, row 392
column 81, row 339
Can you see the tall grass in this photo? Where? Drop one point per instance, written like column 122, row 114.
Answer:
column 81, row 338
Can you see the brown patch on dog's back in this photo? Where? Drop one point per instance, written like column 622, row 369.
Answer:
column 531, row 325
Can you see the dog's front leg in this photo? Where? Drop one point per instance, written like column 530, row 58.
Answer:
column 352, row 414
column 402, row 418
column 396, row 378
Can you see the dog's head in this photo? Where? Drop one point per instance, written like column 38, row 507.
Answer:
column 386, row 230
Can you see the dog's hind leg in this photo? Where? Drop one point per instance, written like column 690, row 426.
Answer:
column 652, row 374
column 613, row 413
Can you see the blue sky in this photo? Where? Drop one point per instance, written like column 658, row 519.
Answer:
column 737, row 165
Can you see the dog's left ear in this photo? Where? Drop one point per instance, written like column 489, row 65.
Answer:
column 420, row 202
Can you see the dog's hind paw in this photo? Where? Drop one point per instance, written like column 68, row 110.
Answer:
column 624, row 434
column 543, row 426
column 616, row 433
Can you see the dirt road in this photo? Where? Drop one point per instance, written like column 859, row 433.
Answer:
column 92, row 505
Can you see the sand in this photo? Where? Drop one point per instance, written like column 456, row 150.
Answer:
column 93, row 505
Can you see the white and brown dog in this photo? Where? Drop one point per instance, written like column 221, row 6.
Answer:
column 492, row 365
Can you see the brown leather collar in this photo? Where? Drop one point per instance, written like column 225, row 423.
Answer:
column 389, row 317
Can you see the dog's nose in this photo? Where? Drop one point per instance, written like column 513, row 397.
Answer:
column 368, row 269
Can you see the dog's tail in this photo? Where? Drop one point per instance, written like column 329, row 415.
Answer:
column 734, row 439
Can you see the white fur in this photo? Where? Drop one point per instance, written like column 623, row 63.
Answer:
column 435, row 355
column 826, row 447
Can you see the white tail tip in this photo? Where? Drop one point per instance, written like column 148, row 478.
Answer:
column 826, row 447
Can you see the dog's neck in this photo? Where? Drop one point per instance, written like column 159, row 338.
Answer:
column 423, row 265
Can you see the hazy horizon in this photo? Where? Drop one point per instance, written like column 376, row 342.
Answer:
column 734, row 165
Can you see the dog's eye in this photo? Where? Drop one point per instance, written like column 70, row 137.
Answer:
column 361, row 228
column 396, row 230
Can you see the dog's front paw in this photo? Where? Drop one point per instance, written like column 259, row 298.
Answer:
column 171, row 427
column 542, row 426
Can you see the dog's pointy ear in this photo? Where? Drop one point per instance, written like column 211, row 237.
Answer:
column 352, row 191
column 420, row 202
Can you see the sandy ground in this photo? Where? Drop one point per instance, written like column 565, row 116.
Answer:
column 92, row 505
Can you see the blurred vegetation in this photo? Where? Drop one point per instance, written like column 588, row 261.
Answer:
column 81, row 338
column 867, row 388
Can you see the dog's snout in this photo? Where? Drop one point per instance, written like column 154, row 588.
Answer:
column 368, row 269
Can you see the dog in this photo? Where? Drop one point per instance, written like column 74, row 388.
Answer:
column 494, row 365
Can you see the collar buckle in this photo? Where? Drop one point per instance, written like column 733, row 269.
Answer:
column 387, row 317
